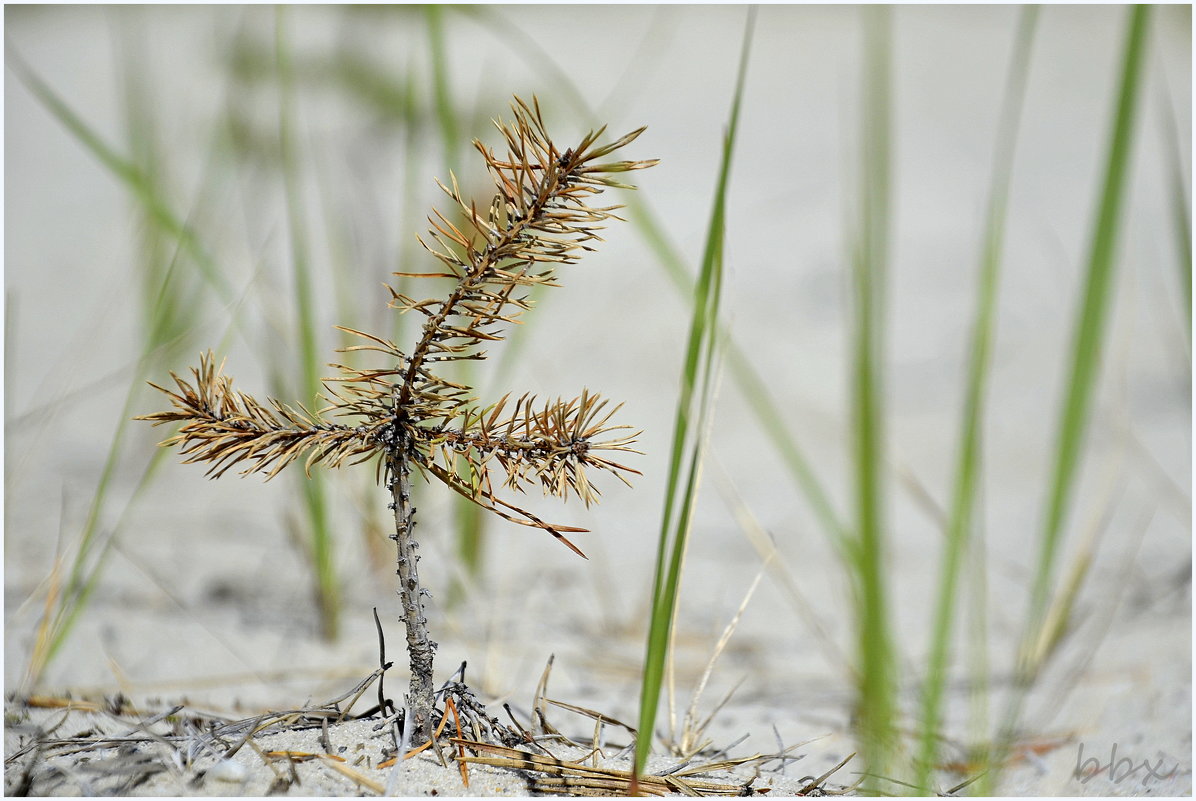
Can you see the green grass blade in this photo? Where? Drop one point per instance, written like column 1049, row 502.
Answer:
column 754, row 389
column 1181, row 213
column 125, row 170
column 142, row 135
column 446, row 112
column 1090, row 325
column 960, row 521
column 876, row 708
column 296, row 218
column 411, row 210
column 93, row 547
column 692, row 411
column 1087, row 343
column 90, row 555
column 314, row 488
column 977, row 648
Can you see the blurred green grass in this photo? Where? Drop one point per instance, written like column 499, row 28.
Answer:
column 870, row 245
column 965, row 496
column 307, row 366
column 1052, row 600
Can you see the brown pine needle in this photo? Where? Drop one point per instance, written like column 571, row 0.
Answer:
column 439, row 730
column 301, row 756
column 450, row 706
column 362, row 780
column 576, row 778
column 816, row 784
column 590, row 713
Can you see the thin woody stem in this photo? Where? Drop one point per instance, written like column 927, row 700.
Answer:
column 420, row 647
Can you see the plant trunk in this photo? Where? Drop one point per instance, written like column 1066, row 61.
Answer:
column 420, row 647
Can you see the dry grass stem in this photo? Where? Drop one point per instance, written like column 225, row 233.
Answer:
column 598, row 717
column 691, row 730
column 763, row 542
column 574, row 778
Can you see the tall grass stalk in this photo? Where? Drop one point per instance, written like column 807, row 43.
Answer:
column 162, row 302
column 689, row 424
column 1083, row 368
column 753, row 388
column 446, row 112
column 1090, row 324
column 977, row 653
column 167, row 313
column 875, row 704
column 69, row 600
column 94, row 541
column 315, row 488
column 1181, row 213
column 961, row 521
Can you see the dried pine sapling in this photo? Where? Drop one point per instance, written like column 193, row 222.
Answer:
column 410, row 418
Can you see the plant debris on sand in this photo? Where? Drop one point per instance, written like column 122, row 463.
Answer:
column 63, row 746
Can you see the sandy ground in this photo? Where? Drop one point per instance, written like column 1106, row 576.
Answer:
column 206, row 601
column 348, row 758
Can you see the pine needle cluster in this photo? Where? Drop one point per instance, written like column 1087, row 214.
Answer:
column 540, row 219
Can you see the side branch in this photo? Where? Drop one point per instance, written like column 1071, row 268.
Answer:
column 554, row 444
column 228, row 428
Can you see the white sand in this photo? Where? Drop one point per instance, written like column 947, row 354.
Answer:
column 293, row 761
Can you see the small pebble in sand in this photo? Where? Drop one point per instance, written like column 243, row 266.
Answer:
column 228, row 771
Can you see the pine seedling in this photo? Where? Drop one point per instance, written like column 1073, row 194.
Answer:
column 404, row 413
